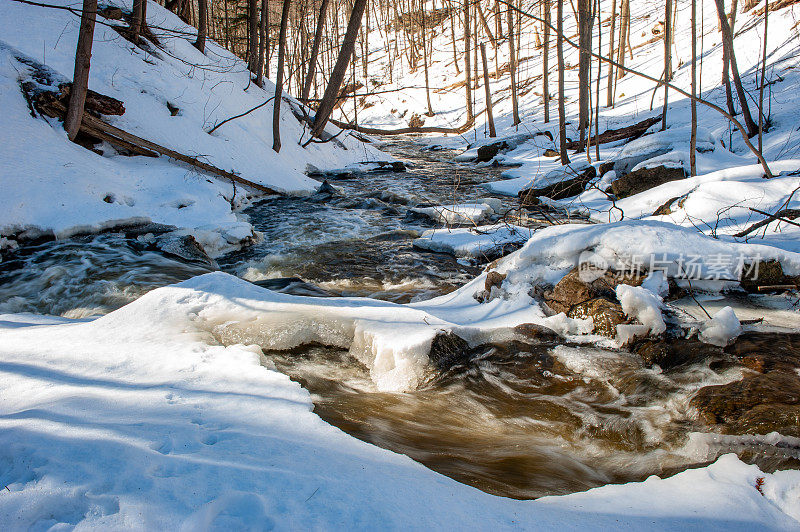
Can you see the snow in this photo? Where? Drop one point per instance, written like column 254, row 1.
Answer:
column 200, row 435
column 722, row 329
column 484, row 240
column 644, row 305
column 462, row 213
column 69, row 189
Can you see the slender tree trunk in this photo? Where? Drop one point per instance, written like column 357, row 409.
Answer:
column 584, row 65
column 597, row 83
column 202, row 27
column 467, row 61
column 252, row 34
column 727, row 42
column 489, row 115
column 761, row 116
column 485, row 25
column 562, row 115
column 340, row 69
column 455, row 49
column 425, row 62
column 610, row 88
column 312, row 61
column 726, row 64
column 667, row 59
column 693, row 139
column 546, row 61
column 136, row 19
column 512, row 67
column 262, row 42
column 276, row 103
column 80, row 78
column 624, row 30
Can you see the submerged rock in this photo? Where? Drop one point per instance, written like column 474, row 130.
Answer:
column 185, row 247
column 293, row 285
column 645, row 179
column 448, row 349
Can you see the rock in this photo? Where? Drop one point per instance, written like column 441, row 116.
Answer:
column 596, row 299
column 763, row 419
column 624, row 165
column 765, row 352
column 765, row 273
column 416, row 121
column 534, row 331
column 737, row 402
column 448, row 349
column 605, row 167
column 489, row 151
column 671, row 352
column 570, row 185
column 645, row 179
column 551, row 153
column 185, row 247
column 494, row 278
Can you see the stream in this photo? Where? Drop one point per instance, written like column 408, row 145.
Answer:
column 522, row 420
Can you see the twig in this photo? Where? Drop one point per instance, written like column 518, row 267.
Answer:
column 262, row 104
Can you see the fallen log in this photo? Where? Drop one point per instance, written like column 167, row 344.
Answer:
column 612, row 135
column 402, row 130
column 95, row 127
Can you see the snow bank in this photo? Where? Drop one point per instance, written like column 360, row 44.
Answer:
column 53, row 185
column 171, row 430
column 644, row 305
column 722, row 329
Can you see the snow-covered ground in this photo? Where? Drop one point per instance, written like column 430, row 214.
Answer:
column 52, row 185
column 171, row 430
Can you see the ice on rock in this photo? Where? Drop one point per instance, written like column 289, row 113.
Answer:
column 722, row 329
column 462, row 213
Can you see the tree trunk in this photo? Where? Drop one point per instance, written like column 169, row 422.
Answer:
column 137, row 16
column 340, row 69
column 202, row 26
column 761, row 117
column 252, row 34
column 727, row 43
column 693, row 138
column 80, row 78
column 262, row 42
column 546, row 61
column 667, row 59
column 486, row 25
column 624, row 30
column 562, row 116
column 726, row 65
column 276, row 103
column 467, row 61
column 512, row 67
column 489, row 115
column 610, row 88
column 312, row 61
column 584, row 64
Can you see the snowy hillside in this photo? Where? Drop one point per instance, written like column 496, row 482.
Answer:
column 172, row 94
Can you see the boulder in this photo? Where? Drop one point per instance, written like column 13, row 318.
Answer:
column 489, row 151
column 645, row 179
column 672, row 352
column 624, row 165
column 448, row 349
column 567, row 184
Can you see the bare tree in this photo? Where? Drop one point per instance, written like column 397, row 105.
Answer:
column 610, row 88
column 693, row 139
column 512, row 67
column 80, row 78
column 202, row 26
column 262, row 42
column 339, row 70
column 137, row 19
column 545, row 61
column 726, row 64
column 467, row 63
column 727, row 44
column 276, row 103
column 489, row 115
column 667, row 59
column 584, row 64
column 252, row 34
column 312, row 61
column 562, row 115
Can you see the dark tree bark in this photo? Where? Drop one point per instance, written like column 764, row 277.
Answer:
column 693, row 138
column 546, row 61
column 667, row 59
column 610, row 88
column 202, row 26
column 467, row 61
column 80, row 78
column 262, row 42
column 276, row 103
column 489, row 115
column 562, row 115
column 512, row 67
column 339, row 70
column 137, row 19
column 584, row 64
column 726, row 64
column 252, row 34
column 727, row 44
column 312, row 61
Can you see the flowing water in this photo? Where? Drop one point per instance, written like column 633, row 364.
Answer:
column 519, row 419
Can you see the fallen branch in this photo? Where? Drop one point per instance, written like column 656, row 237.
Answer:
column 785, row 215
column 612, row 135
column 262, row 104
column 96, row 127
